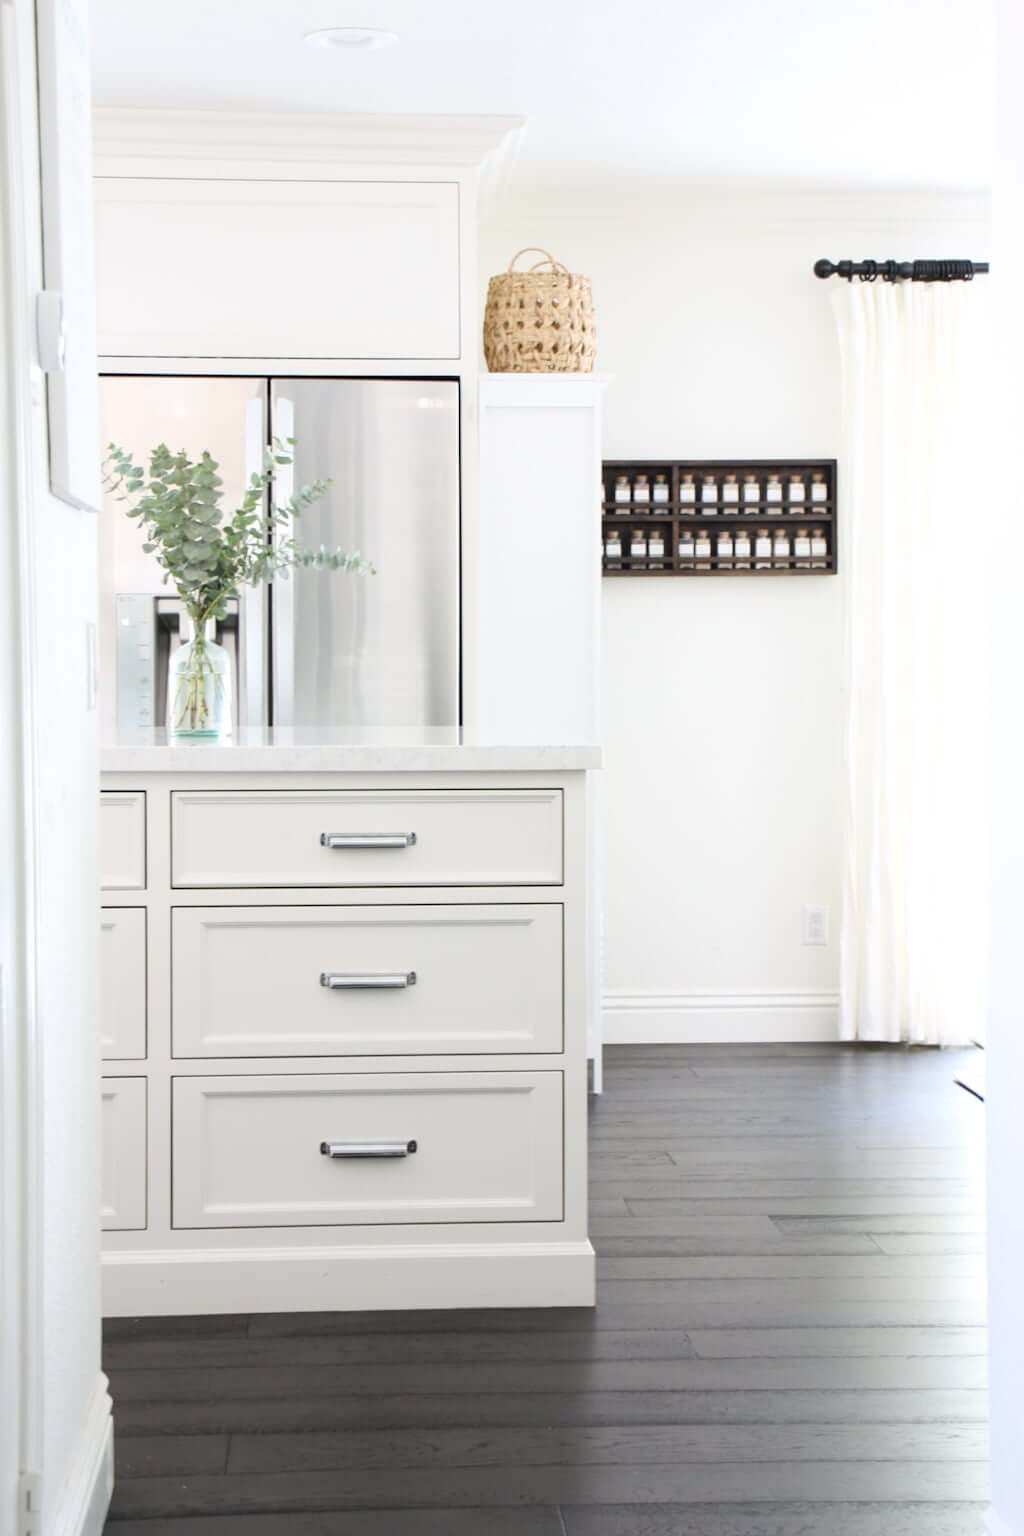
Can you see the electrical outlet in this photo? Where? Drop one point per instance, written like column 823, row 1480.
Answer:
column 815, row 925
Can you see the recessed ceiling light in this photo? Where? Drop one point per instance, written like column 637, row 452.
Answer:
column 352, row 37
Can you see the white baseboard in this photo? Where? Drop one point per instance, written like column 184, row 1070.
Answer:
column 182, row 1281
column 697, row 1018
column 85, row 1497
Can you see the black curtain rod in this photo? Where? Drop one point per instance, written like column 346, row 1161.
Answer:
column 894, row 271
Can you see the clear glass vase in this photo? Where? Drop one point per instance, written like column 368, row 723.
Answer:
column 199, row 691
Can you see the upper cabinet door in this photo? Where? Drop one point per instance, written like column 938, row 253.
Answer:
column 277, row 269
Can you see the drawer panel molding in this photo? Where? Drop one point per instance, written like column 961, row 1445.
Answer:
column 123, row 1150
column 486, row 1148
column 123, row 983
column 337, row 981
column 286, row 838
column 123, row 840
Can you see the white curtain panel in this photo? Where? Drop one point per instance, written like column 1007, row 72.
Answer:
column 917, row 531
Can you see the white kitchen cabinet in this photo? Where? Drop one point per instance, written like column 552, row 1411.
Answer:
column 123, row 983
column 389, row 1148
column 464, row 1034
column 367, row 981
column 247, row 268
column 123, row 1154
column 123, row 841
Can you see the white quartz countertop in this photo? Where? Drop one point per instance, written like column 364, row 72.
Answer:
column 284, row 750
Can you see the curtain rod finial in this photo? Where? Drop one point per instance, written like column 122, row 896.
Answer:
column 824, row 268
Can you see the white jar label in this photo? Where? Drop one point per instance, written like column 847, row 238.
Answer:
column 796, row 490
column 819, row 491
column 709, row 493
column 641, row 493
column 751, row 492
column 688, row 492
column 772, row 492
column 730, row 492
column 622, row 493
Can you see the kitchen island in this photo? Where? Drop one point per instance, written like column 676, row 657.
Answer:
column 345, row 990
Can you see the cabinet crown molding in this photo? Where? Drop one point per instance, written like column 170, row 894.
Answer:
column 154, row 141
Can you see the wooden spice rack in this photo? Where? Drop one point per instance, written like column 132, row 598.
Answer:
column 673, row 517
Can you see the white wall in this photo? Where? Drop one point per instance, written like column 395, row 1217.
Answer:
column 722, row 706
column 49, row 916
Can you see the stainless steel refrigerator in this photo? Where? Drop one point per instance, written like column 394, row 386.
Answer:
column 318, row 649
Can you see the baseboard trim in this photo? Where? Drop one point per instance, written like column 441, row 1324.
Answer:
column 85, row 1497
column 696, row 1018
column 181, row 1282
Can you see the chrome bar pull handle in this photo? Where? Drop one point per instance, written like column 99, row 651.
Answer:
column 367, row 839
column 339, row 1149
column 339, row 981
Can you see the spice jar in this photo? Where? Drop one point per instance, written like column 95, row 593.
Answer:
column 819, row 489
column 781, row 550
column 702, row 550
column 751, row 492
column 687, row 492
column 622, row 490
column 797, row 492
column 656, row 548
column 638, row 546
column 763, row 550
column 613, row 547
column 802, row 548
column 819, row 550
column 660, row 489
column 773, row 488
column 709, row 492
column 741, row 550
column 730, row 493
column 687, row 552
column 641, row 488
column 724, row 549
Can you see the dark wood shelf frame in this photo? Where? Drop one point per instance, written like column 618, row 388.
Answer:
column 670, row 517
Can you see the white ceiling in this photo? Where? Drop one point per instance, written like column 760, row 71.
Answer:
column 835, row 92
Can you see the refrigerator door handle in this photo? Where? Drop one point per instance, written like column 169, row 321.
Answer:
column 283, row 588
column 252, row 702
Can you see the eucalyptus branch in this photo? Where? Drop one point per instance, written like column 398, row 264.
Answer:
column 207, row 558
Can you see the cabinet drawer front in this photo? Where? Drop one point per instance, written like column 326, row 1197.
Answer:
column 337, row 981
column 123, row 840
column 123, row 1134
column 381, row 838
column 123, row 983
column 247, row 1151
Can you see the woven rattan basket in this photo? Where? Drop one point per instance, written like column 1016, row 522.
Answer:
column 540, row 321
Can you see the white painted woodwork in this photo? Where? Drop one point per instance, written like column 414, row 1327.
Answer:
column 501, row 837
column 251, row 1064
column 540, row 487
column 123, row 841
column 277, row 268
column 123, row 1157
column 247, row 1149
column 246, row 980
column 123, row 983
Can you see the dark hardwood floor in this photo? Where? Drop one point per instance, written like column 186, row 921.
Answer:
column 789, row 1341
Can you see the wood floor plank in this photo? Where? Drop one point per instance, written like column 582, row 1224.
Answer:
column 879, row 1374
column 364, row 1522
column 498, row 1407
column 873, row 1268
column 615, row 1445
column 834, row 1343
column 776, row 1520
column 694, row 1482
